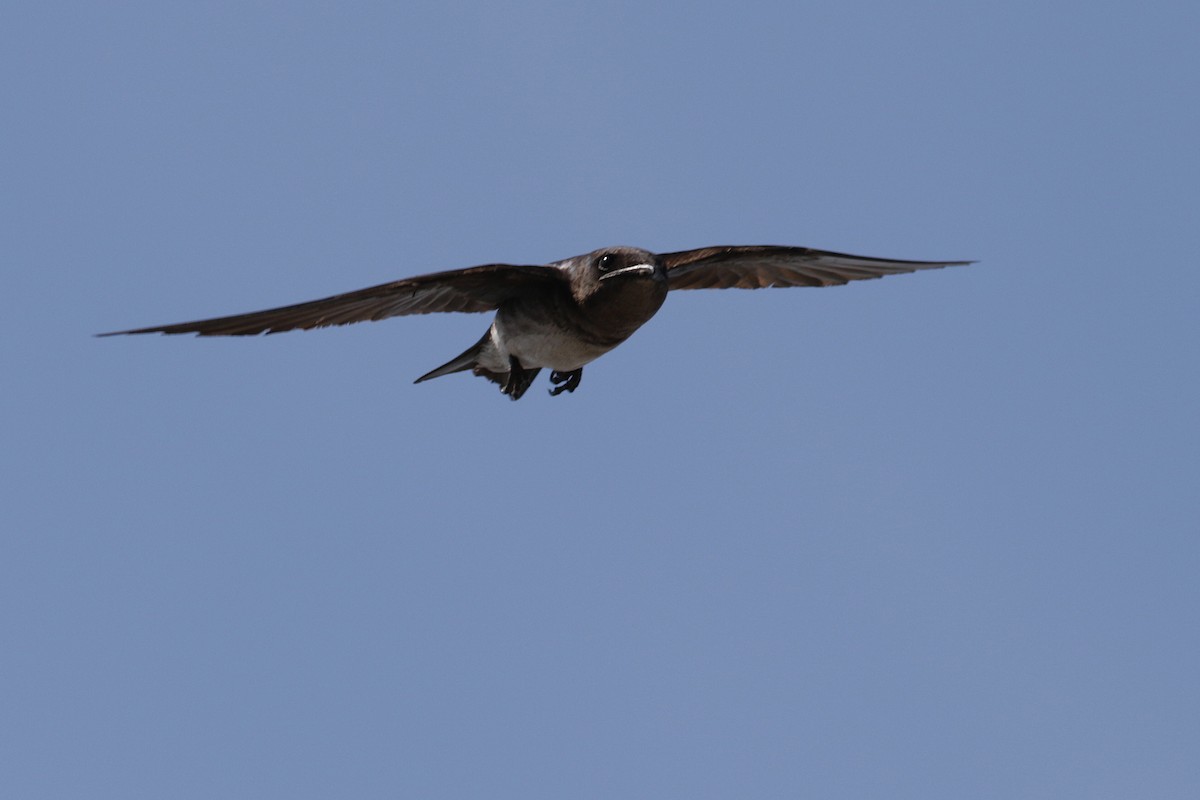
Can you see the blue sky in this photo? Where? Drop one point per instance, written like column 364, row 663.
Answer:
column 933, row 536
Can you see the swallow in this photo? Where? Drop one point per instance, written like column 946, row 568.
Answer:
column 559, row 316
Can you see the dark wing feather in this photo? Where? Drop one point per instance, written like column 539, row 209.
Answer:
column 761, row 266
column 473, row 289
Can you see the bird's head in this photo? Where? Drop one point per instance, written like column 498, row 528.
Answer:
column 614, row 272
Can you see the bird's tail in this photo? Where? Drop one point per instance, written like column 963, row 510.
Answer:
column 468, row 359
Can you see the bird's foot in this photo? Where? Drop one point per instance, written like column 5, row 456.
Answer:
column 565, row 381
column 518, row 379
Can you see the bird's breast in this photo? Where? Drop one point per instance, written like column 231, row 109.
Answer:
column 537, row 341
column 562, row 334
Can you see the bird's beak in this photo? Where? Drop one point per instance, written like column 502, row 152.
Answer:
column 636, row 269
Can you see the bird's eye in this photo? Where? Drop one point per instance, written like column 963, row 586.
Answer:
column 607, row 262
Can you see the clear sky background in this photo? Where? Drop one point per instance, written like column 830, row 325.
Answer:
column 934, row 536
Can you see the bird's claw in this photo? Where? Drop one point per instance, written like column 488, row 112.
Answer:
column 565, row 381
column 518, row 379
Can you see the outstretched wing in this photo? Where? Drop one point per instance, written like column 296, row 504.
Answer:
column 481, row 288
column 761, row 266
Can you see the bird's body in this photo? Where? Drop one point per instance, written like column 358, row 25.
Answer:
column 563, row 315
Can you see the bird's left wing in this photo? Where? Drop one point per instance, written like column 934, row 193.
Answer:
column 761, row 266
column 474, row 289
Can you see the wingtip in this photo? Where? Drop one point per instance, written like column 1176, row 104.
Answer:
column 939, row 264
column 130, row 332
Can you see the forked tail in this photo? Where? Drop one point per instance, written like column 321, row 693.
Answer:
column 466, row 361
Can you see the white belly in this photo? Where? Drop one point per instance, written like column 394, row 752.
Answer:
column 543, row 345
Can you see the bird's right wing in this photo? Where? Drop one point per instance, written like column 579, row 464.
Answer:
column 474, row 289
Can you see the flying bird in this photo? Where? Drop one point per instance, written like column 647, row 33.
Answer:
column 560, row 316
